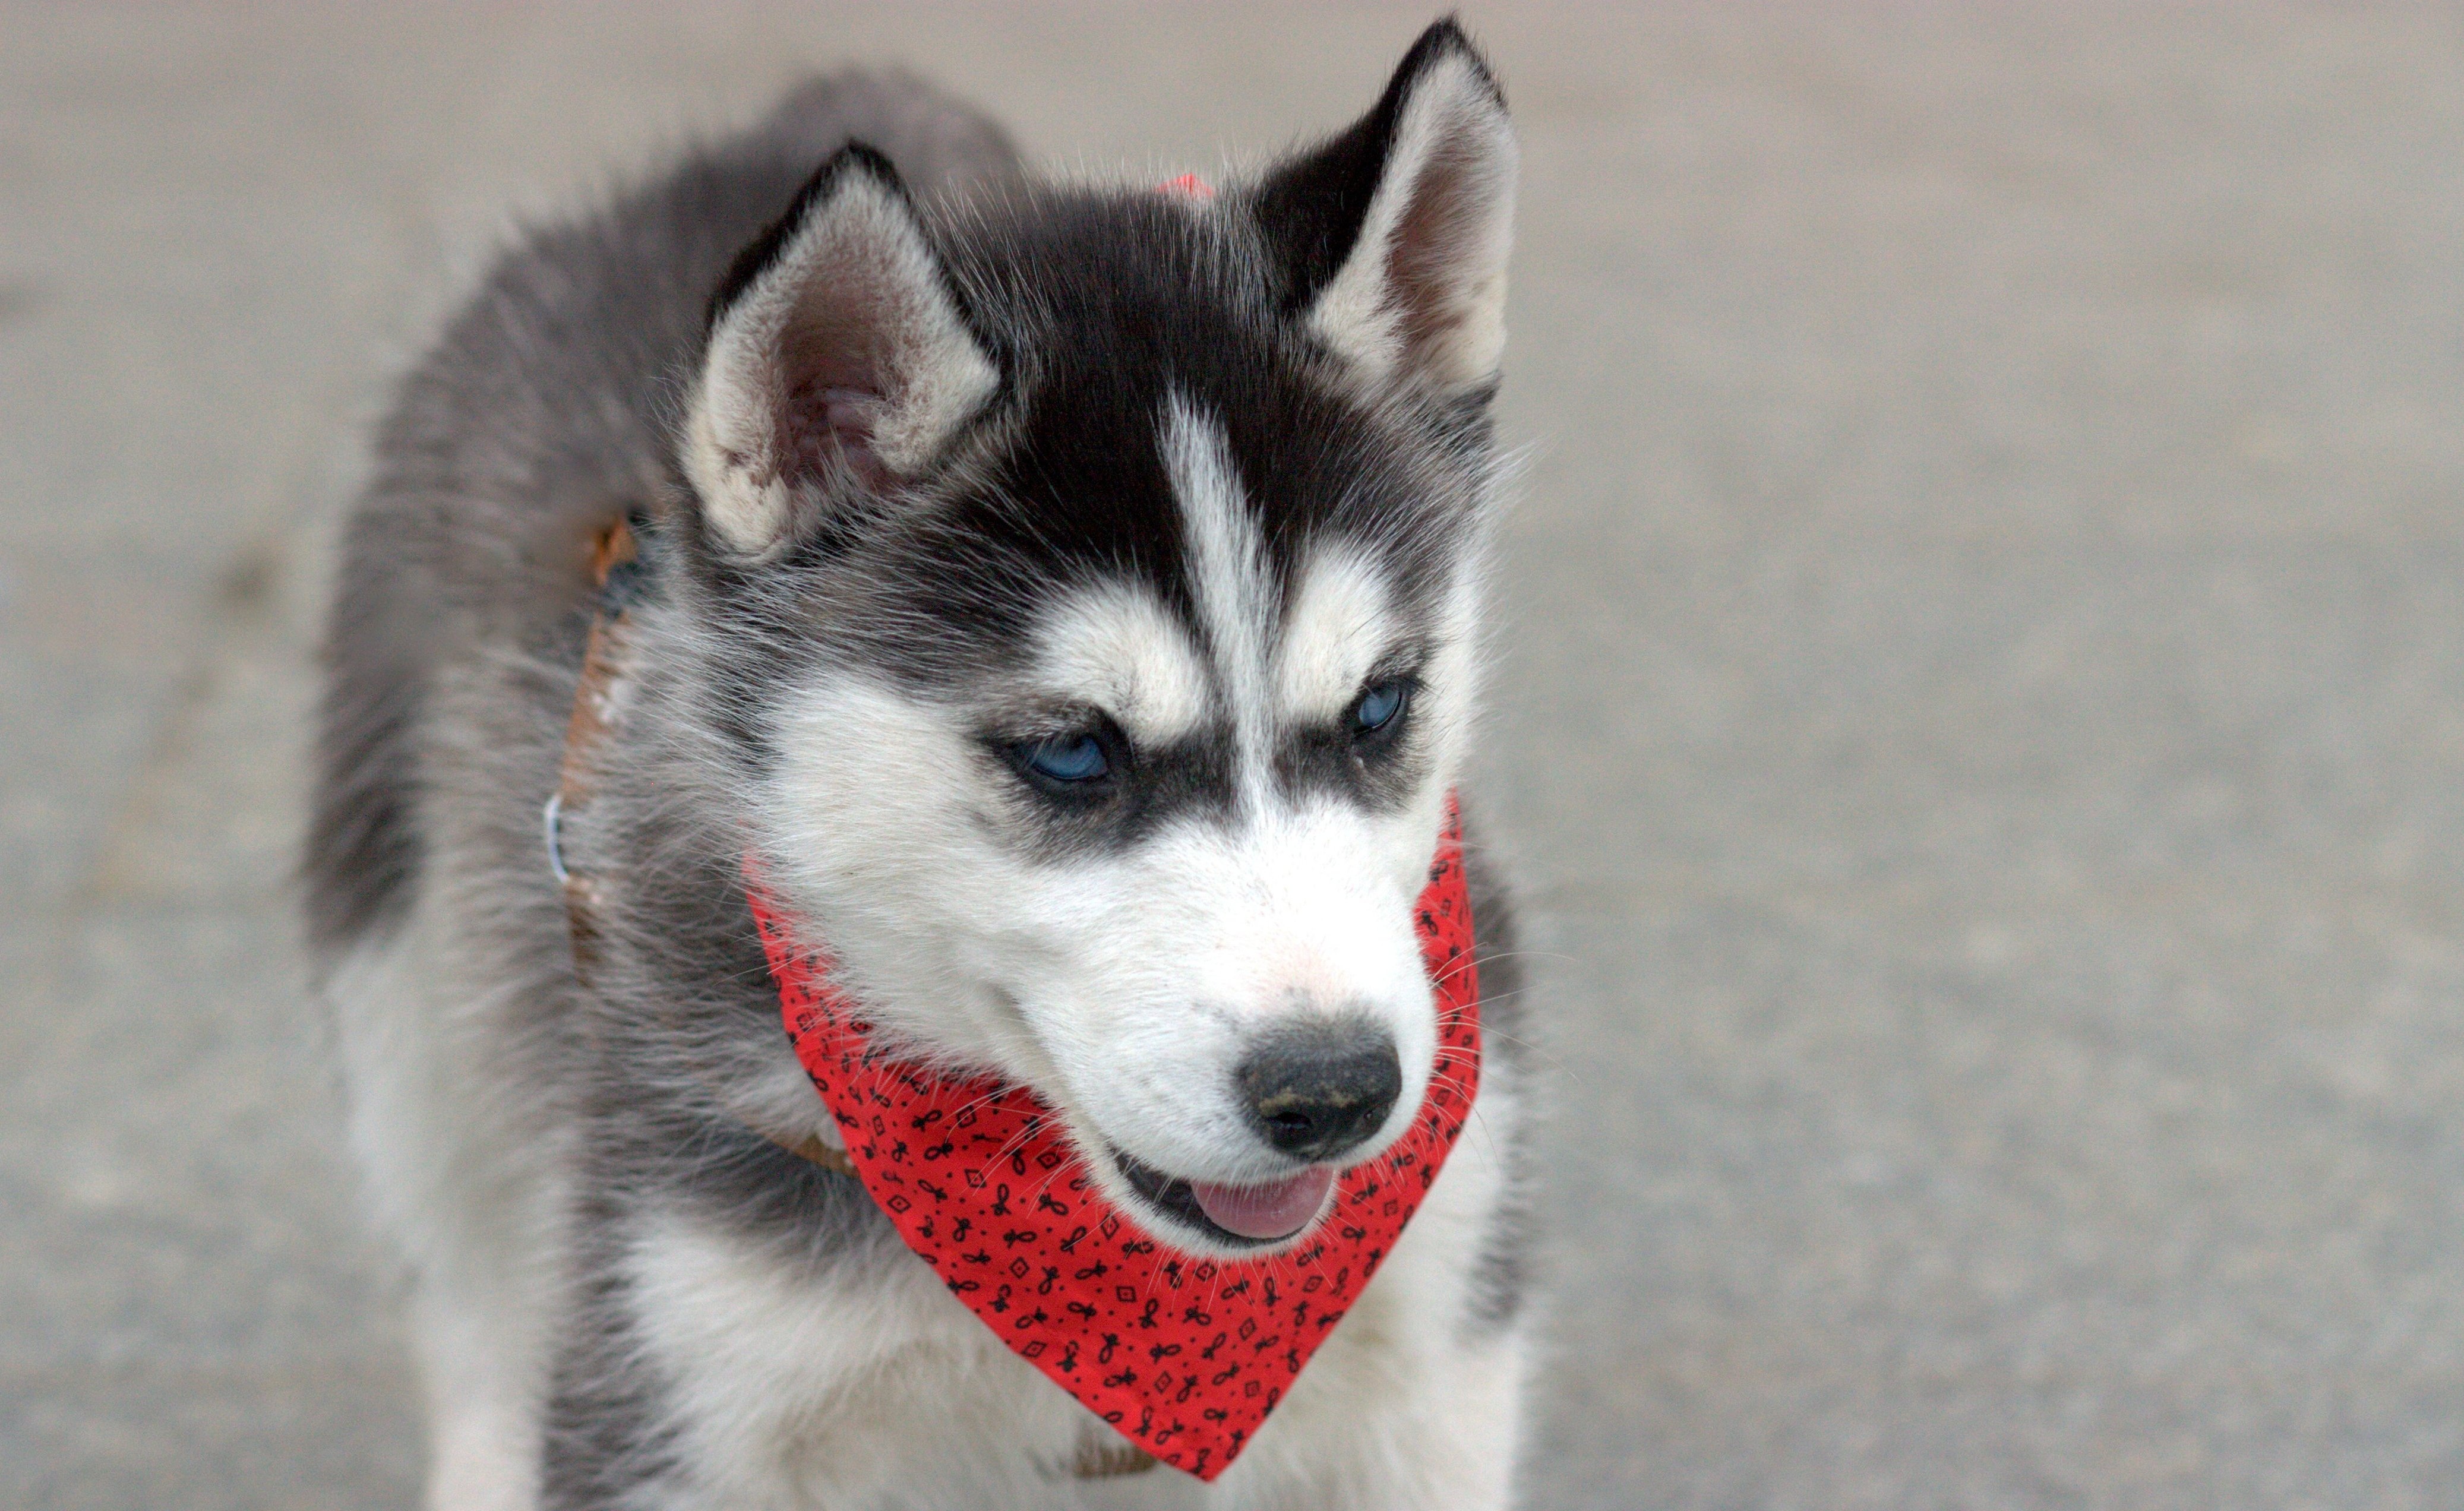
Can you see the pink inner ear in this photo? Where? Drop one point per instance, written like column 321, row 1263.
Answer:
column 1438, row 230
column 833, row 356
column 824, row 422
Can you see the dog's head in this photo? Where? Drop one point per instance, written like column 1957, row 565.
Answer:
column 1092, row 581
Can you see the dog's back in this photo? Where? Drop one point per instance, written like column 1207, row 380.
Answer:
column 546, row 412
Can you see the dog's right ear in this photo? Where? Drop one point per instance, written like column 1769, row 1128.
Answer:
column 837, row 366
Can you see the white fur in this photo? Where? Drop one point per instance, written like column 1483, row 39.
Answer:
column 1219, row 535
column 1338, row 627
column 1113, row 647
column 466, row 1164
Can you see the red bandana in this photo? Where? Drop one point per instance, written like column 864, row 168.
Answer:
column 1183, row 1354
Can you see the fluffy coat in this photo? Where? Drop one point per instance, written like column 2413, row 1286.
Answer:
column 935, row 465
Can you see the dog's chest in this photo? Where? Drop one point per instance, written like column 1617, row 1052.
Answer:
column 869, row 1386
column 861, row 1386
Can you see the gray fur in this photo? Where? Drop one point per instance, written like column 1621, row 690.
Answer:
column 1504, row 1272
column 543, row 414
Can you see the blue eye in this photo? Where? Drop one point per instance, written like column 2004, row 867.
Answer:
column 1066, row 759
column 1378, row 707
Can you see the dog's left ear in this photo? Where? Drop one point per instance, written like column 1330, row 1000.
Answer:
column 838, row 367
column 1393, row 236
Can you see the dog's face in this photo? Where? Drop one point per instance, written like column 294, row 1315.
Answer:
column 1113, row 561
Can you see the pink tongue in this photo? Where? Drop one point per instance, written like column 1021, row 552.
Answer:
column 1265, row 1212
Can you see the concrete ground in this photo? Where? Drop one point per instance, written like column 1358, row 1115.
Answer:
column 1981, row 703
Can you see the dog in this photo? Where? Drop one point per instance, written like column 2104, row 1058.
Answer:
column 1070, row 596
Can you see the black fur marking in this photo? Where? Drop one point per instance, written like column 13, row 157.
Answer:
column 1158, row 783
column 1331, row 760
column 606, row 1429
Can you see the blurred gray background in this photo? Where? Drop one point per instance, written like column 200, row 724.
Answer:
column 1981, row 705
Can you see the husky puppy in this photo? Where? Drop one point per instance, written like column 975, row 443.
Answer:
column 1071, row 594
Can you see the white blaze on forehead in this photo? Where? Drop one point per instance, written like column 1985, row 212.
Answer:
column 1338, row 626
column 1116, row 648
column 1228, row 575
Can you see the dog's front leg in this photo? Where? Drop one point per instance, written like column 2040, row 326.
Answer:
column 1454, row 1448
column 1366, row 1432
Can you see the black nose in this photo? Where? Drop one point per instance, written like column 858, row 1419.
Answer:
column 1320, row 1086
